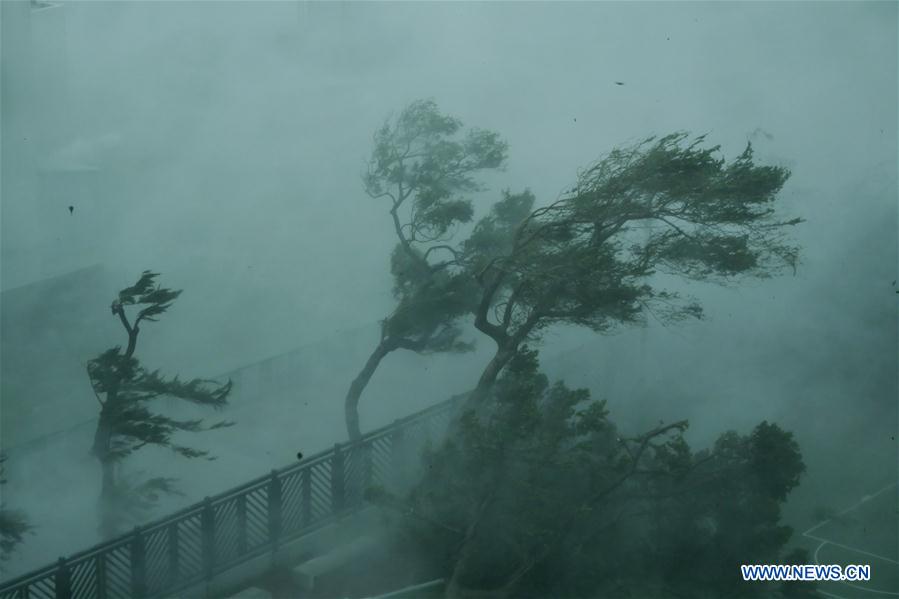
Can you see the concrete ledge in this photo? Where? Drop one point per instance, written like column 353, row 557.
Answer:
column 415, row 591
column 318, row 542
column 308, row 571
column 252, row 593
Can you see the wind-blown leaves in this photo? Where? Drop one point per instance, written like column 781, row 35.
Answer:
column 145, row 292
column 124, row 389
column 541, row 495
column 426, row 166
column 669, row 204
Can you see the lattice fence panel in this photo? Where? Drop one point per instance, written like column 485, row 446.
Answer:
column 118, row 573
column 190, row 547
column 226, row 532
column 84, row 578
column 42, row 588
column 292, row 503
column 157, row 560
column 257, row 518
column 353, row 474
column 381, row 460
column 321, row 491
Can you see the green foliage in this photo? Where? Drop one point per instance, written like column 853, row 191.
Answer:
column 798, row 589
column 731, row 512
column 422, row 156
column 426, row 165
column 157, row 300
column 125, row 390
column 493, row 235
column 428, row 306
column 670, row 205
column 539, row 494
column 128, row 420
column 13, row 526
column 13, row 523
column 540, row 471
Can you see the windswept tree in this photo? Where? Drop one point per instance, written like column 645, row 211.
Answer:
column 13, row 523
column 727, row 511
column 667, row 206
column 424, row 166
column 541, row 495
column 124, row 390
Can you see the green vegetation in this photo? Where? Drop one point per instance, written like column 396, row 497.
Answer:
column 13, row 523
column 665, row 206
column 543, row 496
column 535, row 492
column 424, row 166
column 124, row 390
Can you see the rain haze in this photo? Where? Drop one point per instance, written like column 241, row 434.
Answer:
column 225, row 146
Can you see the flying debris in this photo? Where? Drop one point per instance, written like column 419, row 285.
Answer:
column 619, row 83
column 299, row 455
column 71, row 210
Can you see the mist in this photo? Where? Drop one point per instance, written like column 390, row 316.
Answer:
column 223, row 145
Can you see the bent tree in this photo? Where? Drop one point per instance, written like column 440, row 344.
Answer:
column 669, row 206
column 424, row 166
column 124, row 390
column 544, row 496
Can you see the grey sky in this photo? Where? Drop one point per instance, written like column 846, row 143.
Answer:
column 221, row 144
column 231, row 135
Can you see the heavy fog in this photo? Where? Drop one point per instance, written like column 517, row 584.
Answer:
column 223, row 144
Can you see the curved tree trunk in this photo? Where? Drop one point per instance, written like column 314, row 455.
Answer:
column 351, row 402
column 489, row 376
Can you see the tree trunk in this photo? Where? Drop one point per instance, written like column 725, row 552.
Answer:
column 489, row 375
column 351, row 402
column 107, row 502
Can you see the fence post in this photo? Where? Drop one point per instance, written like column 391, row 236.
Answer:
column 274, row 508
column 173, row 549
column 63, row 580
column 338, row 480
column 207, row 532
column 138, row 565
column 306, row 482
column 241, row 524
column 100, row 565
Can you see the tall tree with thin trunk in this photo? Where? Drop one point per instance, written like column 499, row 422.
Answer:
column 124, row 390
column 424, row 166
column 668, row 206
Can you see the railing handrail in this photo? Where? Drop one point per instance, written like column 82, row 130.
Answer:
column 221, row 498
